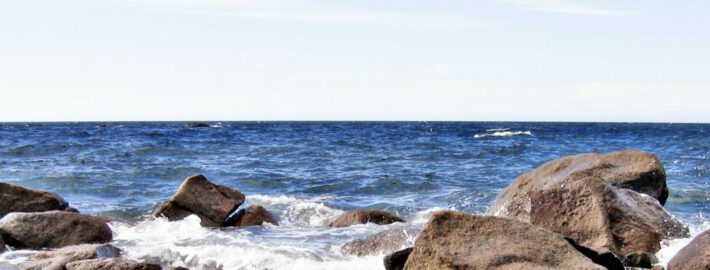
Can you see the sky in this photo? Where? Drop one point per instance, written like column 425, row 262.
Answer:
column 486, row 60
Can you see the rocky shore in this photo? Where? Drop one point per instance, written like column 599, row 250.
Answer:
column 590, row 211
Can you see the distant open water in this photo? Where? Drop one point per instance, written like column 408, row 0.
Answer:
column 306, row 173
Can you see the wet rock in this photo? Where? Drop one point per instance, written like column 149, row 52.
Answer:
column 640, row 260
column 14, row 198
column 696, row 255
column 53, row 229
column 197, row 195
column 453, row 240
column 604, row 258
column 385, row 242
column 396, row 260
column 600, row 216
column 634, row 170
column 254, row 215
column 658, row 267
column 111, row 264
column 363, row 217
column 197, row 125
column 57, row 259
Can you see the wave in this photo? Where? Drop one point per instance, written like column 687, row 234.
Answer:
column 497, row 129
column 503, row 134
column 669, row 248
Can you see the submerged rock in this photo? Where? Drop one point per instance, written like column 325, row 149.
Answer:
column 634, row 170
column 57, row 259
column 254, row 215
column 197, row 125
column 453, row 240
column 211, row 202
column 600, row 216
column 111, row 264
column 696, row 255
column 14, row 198
column 396, row 260
column 383, row 242
column 53, row 229
column 363, row 217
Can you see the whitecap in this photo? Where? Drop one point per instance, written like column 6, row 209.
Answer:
column 503, row 134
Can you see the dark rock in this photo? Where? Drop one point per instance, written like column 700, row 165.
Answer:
column 696, row 255
column 197, row 195
column 453, row 240
column 2, row 245
column 635, row 170
column 387, row 241
column 197, row 125
column 659, row 267
column 599, row 216
column 53, row 229
column 605, row 258
column 14, row 198
column 363, row 217
column 57, row 259
column 254, row 215
column 396, row 260
column 640, row 260
column 111, row 264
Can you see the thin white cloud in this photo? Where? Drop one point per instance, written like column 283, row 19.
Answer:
column 566, row 7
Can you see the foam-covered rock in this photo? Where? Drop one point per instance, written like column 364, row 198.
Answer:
column 635, row 170
column 57, row 259
column 364, row 216
column 211, row 202
column 111, row 264
column 254, row 215
column 53, row 229
column 453, row 240
column 384, row 242
column 696, row 255
column 14, row 198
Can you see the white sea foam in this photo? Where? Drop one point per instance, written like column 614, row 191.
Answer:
column 297, row 212
column 503, row 134
column 698, row 224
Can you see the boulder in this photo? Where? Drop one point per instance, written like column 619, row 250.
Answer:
column 254, row 215
column 634, row 170
column 453, row 240
column 197, row 125
column 363, row 217
column 696, row 255
column 53, row 229
column 14, row 198
column 211, row 202
column 599, row 216
column 384, row 242
column 57, row 259
column 111, row 264
column 396, row 260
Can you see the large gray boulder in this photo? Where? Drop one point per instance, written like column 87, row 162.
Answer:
column 364, row 216
column 384, row 242
column 211, row 202
column 53, row 229
column 111, row 264
column 57, row 259
column 638, row 171
column 696, row 255
column 453, row 240
column 14, row 198
column 599, row 216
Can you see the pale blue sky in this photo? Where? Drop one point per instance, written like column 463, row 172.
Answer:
column 520, row 60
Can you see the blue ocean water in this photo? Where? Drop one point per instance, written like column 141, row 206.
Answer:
column 308, row 171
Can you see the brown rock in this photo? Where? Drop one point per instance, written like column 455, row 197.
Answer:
column 396, row 260
column 2, row 245
column 635, row 170
column 453, row 240
column 53, row 229
column 57, row 259
column 254, row 215
column 363, row 217
column 111, row 264
column 597, row 215
column 197, row 195
column 696, row 255
column 15, row 198
column 385, row 242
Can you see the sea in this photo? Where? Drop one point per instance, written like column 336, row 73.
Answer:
column 307, row 173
